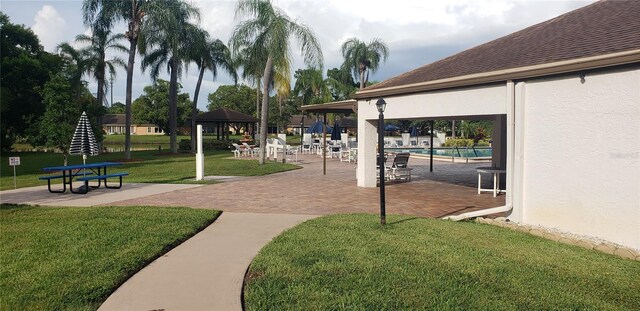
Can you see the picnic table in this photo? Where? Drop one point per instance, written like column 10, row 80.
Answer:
column 82, row 173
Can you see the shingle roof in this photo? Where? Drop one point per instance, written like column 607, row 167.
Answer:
column 597, row 29
column 225, row 115
column 296, row 118
column 113, row 119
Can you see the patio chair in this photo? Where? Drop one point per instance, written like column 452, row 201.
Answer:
column 238, row 151
column 335, row 149
column 345, row 153
column 253, row 151
column 399, row 169
column 306, row 143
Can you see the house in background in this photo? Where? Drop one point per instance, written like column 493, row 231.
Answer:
column 115, row 124
column 564, row 97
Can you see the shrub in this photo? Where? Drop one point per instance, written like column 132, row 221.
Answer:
column 458, row 142
column 207, row 144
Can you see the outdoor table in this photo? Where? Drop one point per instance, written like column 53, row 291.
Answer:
column 68, row 173
column 496, row 171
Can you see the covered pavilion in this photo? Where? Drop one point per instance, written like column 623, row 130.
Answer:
column 219, row 120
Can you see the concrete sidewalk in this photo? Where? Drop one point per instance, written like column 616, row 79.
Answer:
column 205, row 272
column 41, row 196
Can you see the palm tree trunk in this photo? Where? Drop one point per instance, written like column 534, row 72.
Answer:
column 100, row 98
column 257, row 104
column 265, row 109
column 453, row 128
column 362, row 82
column 258, row 99
column 194, row 110
column 127, row 107
column 173, row 105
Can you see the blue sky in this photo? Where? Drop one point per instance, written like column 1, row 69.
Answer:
column 417, row 32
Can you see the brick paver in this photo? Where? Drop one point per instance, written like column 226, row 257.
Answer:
column 449, row 190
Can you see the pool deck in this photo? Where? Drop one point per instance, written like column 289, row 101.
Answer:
column 450, row 189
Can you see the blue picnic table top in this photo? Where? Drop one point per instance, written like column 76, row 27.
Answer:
column 80, row 166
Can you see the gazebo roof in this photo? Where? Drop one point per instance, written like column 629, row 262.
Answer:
column 225, row 115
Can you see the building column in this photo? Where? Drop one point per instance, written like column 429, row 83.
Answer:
column 367, row 136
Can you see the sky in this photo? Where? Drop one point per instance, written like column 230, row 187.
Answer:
column 417, row 32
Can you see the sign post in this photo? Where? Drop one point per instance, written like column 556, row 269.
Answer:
column 14, row 161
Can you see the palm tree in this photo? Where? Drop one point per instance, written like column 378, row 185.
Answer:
column 252, row 60
column 167, row 38
column 311, row 87
column 362, row 58
column 77, row 62
column 103, row 14
column 269, row 31
column 208, row 55
column 95, row 52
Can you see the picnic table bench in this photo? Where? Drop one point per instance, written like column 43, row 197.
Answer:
column 97, row 171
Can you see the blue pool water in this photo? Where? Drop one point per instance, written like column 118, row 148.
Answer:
column 448, row 152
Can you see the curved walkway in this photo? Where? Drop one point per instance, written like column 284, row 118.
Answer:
column 206, row 271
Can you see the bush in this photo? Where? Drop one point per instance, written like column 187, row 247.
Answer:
column 458, row 142
column 207, row 144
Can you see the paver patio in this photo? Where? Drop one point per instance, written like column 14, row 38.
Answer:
column 450, row 189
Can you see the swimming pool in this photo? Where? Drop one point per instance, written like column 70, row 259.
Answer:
column 477, row 152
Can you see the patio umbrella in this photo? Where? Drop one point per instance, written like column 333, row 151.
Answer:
column 83, row 141
column 316, row 128
column 335, row 132
column 391, row 127
column 414, row 133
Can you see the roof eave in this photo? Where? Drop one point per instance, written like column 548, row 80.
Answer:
column 572, row 65
column 344, row 106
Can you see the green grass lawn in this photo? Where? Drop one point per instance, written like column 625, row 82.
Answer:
column 351, row 262
column 149, row 167
column 73, row 258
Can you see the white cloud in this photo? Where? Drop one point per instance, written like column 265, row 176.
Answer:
column 417, row 31
column 50, row 27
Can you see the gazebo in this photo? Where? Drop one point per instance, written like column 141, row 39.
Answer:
column 221, row 118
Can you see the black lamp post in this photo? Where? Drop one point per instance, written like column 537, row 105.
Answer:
column 381, row 104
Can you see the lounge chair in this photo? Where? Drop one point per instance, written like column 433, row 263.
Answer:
column 253, row 151
column 399, row 169
column 238, row 151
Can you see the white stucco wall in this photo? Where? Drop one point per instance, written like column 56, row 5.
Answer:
column 471, row 101
column 581, row 154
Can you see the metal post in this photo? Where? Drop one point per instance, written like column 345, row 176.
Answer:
column 383, row 216
column 324, row 145
column 301, row 132
column 431, row 145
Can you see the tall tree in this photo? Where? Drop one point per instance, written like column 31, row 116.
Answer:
column 57, row 124
column 75, row 63
column 95, row 53
column 167, row 40
column 208, row 55
column 270, row 29
column 152, row 106
column 236, row 97
column 24, row 66
column 252, row 59
column 341, row 83
column 361, row 57
column 104, row 13
column 311, row 87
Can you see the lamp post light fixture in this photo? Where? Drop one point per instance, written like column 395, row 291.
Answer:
column 381, row 104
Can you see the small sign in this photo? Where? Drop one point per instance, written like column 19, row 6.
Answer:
column 13, row 161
